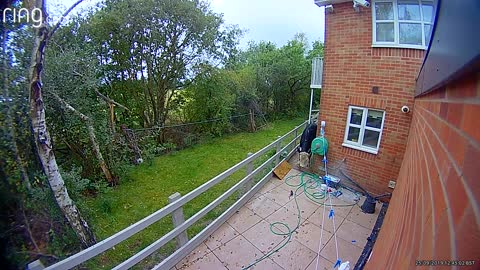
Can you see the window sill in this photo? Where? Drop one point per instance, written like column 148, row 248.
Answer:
column 364, row 149
column 397, row 46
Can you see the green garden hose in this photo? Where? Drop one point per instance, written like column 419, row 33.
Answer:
column 311, row 190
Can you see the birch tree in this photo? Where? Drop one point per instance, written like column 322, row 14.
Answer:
column 42, row 138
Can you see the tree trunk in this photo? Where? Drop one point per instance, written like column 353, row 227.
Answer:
column 43, row 140
column 253, row 127
column 98, row 154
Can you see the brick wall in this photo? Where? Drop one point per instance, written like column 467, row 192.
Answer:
column 351, row 68
column 434, row 212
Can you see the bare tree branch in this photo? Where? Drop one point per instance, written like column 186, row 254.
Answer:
column 106, row 98
column 38, row 254
column 57, row 25
column 30, row 234
column 109, row 100
column 91, row 134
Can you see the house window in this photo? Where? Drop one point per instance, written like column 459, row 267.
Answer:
column 364, row 129
column 402, row 23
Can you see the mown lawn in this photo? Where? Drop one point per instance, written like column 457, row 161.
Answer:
column 151, row 183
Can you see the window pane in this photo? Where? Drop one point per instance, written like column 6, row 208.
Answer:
column 356, row 117
column 385, row 32
column 374, row 119
column 428, row 33
column 411, row 33
column 370, row 138
column 408, row 10
column 384, row 11
column 353, row 134
column 427, row 10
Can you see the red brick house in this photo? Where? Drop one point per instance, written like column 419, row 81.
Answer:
column 433, row 152
column 372, row 57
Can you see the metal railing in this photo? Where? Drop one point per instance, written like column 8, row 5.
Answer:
column 175, row 207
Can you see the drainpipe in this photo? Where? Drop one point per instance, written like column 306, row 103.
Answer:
column 311, row 105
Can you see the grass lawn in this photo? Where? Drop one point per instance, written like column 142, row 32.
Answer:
column 151, row 183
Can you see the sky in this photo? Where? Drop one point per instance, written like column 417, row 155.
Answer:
column 270, row 20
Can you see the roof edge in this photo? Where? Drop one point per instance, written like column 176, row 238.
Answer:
column 454, row 49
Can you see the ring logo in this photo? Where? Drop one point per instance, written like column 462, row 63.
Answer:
column 33, row 16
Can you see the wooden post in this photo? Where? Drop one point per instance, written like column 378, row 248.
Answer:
column 249, row 183
column 252, row 121
column 178, row 219
column 279, row 147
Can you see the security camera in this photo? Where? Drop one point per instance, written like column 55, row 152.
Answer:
column 363, row 3
column 405, row 109
column 329, row 9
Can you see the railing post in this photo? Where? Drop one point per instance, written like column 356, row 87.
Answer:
column 35, row 265
column 249, row 182
column 178, row 219
column 295, row 134
column 279, row 147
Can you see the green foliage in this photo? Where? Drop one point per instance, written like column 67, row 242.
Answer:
column 158, row 46
column 283, row 75
column 74, row 182
column 212, row 86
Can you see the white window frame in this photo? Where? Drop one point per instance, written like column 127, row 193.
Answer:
column 359, row 145
column 396, row 26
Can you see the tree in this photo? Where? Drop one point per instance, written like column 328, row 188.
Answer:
column 42, row 137
column 160, row 51
column 293, row 71
column 261, row 58
column 282, row 74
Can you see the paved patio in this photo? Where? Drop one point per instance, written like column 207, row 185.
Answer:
column 246, row 236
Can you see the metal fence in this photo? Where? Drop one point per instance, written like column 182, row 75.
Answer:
column 164, row 139
column 246, row 187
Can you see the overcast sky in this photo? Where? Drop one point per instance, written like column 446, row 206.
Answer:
column 271, row 20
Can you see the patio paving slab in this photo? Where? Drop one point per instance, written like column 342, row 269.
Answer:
column 221, row 236
column 201, row 251
column 262, row 206
column 268, row 186
column 346, row 251
column 289, row 217
column 317, row 217
column 366, row 220
column 267, row 240
column 309, row 235
column 209, row 261
column 353, row 232
column 323, row 264
column 294, row 256
column 237, row 253
column 243, row 219
column 279, row 195
column 307, row 207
